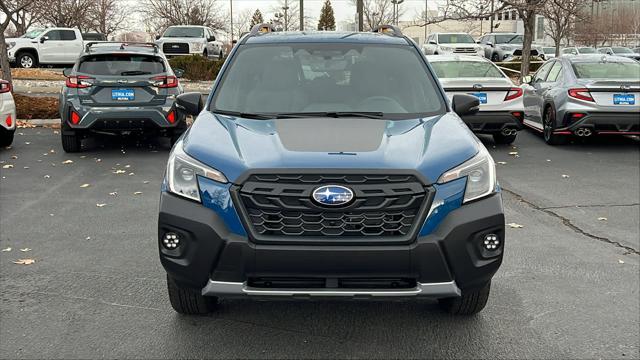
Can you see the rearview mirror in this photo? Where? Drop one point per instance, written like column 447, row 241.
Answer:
column 179, row 73
column 66, row 72
column 527, row 79
column 190, row 103
column 464, row 104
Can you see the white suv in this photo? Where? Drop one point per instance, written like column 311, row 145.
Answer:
column 451, row 43
column 7, row 114
column 190, row 40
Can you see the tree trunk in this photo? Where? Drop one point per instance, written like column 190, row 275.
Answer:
column 529, row 22
column 4, row 59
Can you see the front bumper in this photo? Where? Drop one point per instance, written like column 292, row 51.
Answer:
column 222, row 261
column 605, row 123
column 492, row 122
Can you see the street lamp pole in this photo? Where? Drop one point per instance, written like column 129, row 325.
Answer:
column 286, row 17
column 231, row 7
column 301, row 16
column 426, row 18
column 360, row 11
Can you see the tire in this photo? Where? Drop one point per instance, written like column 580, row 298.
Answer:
column 205, row 54
column 548, row 126
column 220, row 56
column 471, row 302
column 26, row 60
column 494, row 57
column 504, row 139
column 71, row 143
column 189, row 301
column 6, row 138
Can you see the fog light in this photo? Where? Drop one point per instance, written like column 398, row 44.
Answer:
column 171, row 241
column 491, row 242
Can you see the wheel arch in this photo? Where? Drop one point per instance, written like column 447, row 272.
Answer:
column 29, row 50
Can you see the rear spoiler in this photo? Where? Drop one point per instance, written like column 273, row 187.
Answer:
column 123, row 45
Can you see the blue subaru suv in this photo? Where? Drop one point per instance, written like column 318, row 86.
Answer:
column 329, row 164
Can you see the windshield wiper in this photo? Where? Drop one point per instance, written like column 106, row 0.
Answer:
column 332, row 114
column 134, row 72
column 244, row 115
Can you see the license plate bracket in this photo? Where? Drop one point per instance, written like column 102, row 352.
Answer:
column 624, row 99
column 123, row 94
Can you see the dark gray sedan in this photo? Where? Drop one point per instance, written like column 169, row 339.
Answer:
column 120, row 88
column 583, row 95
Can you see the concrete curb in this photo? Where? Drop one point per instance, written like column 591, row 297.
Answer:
column 41, row 122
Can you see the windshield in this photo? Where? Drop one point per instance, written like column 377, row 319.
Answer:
column 188, row 32
column 549, row 50
column 509, row 39
column 32, row 34
column 587, row 50
column 622, row 50
column 312, row 77
column 455, row 39
column 608, row 70
column 121, row 65
column 465, row 69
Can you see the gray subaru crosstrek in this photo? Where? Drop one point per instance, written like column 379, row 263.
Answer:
column 120, row 88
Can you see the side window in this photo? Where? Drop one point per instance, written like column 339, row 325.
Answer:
column 54, row 35
column 555, row 72
column 541, row 74
column 68, row 35
column 491, row 39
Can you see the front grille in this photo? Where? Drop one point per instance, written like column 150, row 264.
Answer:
column 464, row 50
column 279, row 207
column 175, row 48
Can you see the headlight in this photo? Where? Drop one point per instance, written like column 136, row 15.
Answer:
column 183, row 172
column 480, row 172
column 10, row 45
column 197, row 46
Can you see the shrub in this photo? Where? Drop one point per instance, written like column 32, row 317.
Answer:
column 31, row 107
column 196, row 67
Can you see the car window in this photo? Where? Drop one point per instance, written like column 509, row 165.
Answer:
column 465, row 69
column 587, row 50
column 622, row 50
column 509, row 39
column 555, row 72
column 68, row 35
column 188, row 32
column 541, row 74
column 455, row 39
column 121, row 65
column 603, row 51
column 322, row 77
column 54, row 35
column 607, row 70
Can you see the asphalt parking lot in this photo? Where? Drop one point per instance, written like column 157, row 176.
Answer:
column 568, row 287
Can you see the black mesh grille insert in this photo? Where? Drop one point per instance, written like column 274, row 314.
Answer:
column 175, row 48
column 384, row 206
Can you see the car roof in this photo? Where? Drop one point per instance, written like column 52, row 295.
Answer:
column 117, row 48
column 280, row 37
column 187, row 26
column 439, row 58
column 451, row 33
column 589, row 58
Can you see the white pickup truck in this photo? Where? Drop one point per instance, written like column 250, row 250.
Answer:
column 45, row 46
column 191, row 40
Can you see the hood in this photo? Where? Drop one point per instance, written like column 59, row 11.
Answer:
column 460, row 45
column 179, row 40
column 19, row 40
column 430, row 145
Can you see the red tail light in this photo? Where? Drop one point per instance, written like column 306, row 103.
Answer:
column 79, row 82
column 164, row 82
column 517, row 114
column 5, row 87
column 75, row 118
column 576, row 116
column 581, row 94
column 171, row 117
column 8, row 121
column 513, row 93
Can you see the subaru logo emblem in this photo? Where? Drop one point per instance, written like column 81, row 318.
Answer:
column 477, row 86
column 332, row 195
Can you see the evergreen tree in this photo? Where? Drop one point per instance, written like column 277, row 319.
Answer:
column 256, row 19
column 327, row 19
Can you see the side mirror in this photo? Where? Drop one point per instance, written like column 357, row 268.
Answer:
column 234, row 41
column 490, row 44
column 465, row 104
column 190, row 103
column 66, row 72
column 211, row 38
column 179, row 73
column 478, row 41
column 158, row 37
column 527, row 79
column 43, row 39
column 433, row 42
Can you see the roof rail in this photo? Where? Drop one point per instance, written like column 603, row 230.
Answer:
column 89, row 45
column 388, row 30
column 262, row 29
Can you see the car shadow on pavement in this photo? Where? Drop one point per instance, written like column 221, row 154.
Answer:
column 133, row 142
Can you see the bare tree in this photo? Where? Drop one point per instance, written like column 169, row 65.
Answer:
column 527, row 10
column 9, row 8
column 65, row 13
column 561, row 16
column 241, row 22
column 289, row 18
column 108, row 16
column 379, row 12
column 159, row 14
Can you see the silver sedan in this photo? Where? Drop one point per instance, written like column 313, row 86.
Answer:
column 501, row 106
column 583, row 95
